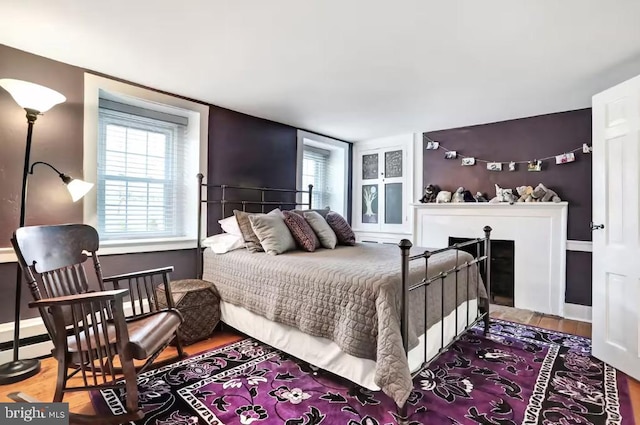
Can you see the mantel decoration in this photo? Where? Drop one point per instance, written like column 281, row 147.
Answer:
column 532, row 164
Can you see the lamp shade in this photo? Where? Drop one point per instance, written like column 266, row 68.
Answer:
column 78, row 188
column 32, row 96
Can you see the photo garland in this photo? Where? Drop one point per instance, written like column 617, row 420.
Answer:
column 532, row 165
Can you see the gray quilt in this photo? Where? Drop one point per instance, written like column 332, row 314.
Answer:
column 350, row 295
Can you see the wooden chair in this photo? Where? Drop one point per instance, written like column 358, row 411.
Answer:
column 93, row 338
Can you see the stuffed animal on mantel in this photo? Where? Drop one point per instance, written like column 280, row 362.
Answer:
column 524, row 193
column 543, row 194
column 444, row 196
column 458, row 195
column 480, row 197
column 503, row 195
column 430, row 194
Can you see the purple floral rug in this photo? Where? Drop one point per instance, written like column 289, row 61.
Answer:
column 517, row 375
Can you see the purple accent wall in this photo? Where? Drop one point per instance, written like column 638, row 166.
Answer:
column 248, row 151
column 522, row 140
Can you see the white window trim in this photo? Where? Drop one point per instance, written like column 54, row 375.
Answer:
column 200, row 118
column 329, row 142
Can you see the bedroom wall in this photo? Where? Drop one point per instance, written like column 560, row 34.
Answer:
column 242, row 150
column 248, row 151
column 527, row 139
column 57, row 139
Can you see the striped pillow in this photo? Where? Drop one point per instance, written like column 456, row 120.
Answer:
column 341, row 228
column 301, row 230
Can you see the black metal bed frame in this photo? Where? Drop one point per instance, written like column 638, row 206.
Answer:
column 405, row 245
column 223, row 202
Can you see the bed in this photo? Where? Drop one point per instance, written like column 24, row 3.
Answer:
column 372, row 313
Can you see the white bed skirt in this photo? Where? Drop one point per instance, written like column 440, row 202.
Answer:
column 326, row 354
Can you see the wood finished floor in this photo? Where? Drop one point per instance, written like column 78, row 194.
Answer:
column 42, row 385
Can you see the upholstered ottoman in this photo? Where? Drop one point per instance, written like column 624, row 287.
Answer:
column 199, row 304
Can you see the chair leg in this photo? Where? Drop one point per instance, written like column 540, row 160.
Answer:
column 61, row 381
column 181, row 353
column 131, row 384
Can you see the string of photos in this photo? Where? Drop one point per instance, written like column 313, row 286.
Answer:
column 532, row 165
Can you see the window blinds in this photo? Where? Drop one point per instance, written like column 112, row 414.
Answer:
column 141, row 172
column 316, row 170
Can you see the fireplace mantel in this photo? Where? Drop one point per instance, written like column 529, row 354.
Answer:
column 539, row 232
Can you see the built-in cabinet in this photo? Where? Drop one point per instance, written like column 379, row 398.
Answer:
column 382, row 178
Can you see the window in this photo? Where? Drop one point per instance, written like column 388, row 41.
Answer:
column 143, row 149
column 324, row 163
column 141, row 172
column 315, row 171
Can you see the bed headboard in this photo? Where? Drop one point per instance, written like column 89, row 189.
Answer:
column 254, row 199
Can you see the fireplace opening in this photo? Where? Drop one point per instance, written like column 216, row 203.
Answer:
column 502, row 268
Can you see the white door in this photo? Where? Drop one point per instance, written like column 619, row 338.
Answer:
column 616, row 246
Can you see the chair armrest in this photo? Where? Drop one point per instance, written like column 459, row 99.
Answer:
column 115, row 295
column 134, row 275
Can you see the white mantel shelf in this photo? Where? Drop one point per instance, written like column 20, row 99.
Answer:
column 539, row 232
column 463, row 205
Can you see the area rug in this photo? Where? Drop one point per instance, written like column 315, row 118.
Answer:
column 517, row 375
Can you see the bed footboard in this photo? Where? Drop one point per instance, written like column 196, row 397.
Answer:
column 483, row 310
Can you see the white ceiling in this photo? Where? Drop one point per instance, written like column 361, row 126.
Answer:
column 352, row 69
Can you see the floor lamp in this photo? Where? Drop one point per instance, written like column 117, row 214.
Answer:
column 35, row 100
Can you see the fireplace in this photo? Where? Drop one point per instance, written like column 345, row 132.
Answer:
column 539, row 234
column 502, row 268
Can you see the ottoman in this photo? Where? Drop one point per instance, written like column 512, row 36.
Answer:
column 199, row 304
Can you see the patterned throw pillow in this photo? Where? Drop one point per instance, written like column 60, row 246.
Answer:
column 341, row 228
column 301, row 230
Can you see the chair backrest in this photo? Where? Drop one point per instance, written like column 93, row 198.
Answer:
column 52, row 258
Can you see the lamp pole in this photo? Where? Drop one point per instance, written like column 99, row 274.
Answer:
column 17, row 370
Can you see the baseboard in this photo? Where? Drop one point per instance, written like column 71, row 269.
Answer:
column 578, row 312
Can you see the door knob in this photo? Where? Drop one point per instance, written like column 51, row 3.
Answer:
column 596, row 226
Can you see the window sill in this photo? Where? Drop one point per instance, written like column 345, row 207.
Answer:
column 145, row 245
column 7, row 255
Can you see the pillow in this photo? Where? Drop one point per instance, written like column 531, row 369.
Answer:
column 341, row 228
column 323, row 212
column 223, row 243
column 301, row 231
column 230, row 225
column 274, row 235
column 251, row 240
column 321, row 227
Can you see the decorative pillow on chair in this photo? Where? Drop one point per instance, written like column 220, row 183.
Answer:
column 322, row 229
column 341, row 228
column 301, row 231
column 273, row 233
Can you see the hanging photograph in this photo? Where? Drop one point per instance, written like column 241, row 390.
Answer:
column 370, row 203
column 433, row 145
column 586, row 148
column 535, row 165
column 565, row 158
column 451, row 155
column 494, row 166
column 370, row 166
column 512, row 166
column 468, row 161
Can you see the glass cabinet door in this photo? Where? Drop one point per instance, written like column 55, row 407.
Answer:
column 382, row 188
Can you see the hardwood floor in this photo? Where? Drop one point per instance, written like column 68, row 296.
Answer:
column 42, row 385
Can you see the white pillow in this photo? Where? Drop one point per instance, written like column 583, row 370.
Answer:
column 223, row 243
column 230, row 225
